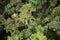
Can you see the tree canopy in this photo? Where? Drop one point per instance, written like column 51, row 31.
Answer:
column 29, row 19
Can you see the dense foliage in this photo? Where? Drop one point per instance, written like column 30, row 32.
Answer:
column 29, row 19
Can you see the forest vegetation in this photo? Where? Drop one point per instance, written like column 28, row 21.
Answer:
column 29, row 19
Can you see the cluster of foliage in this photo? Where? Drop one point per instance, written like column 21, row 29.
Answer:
column 43, row 20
